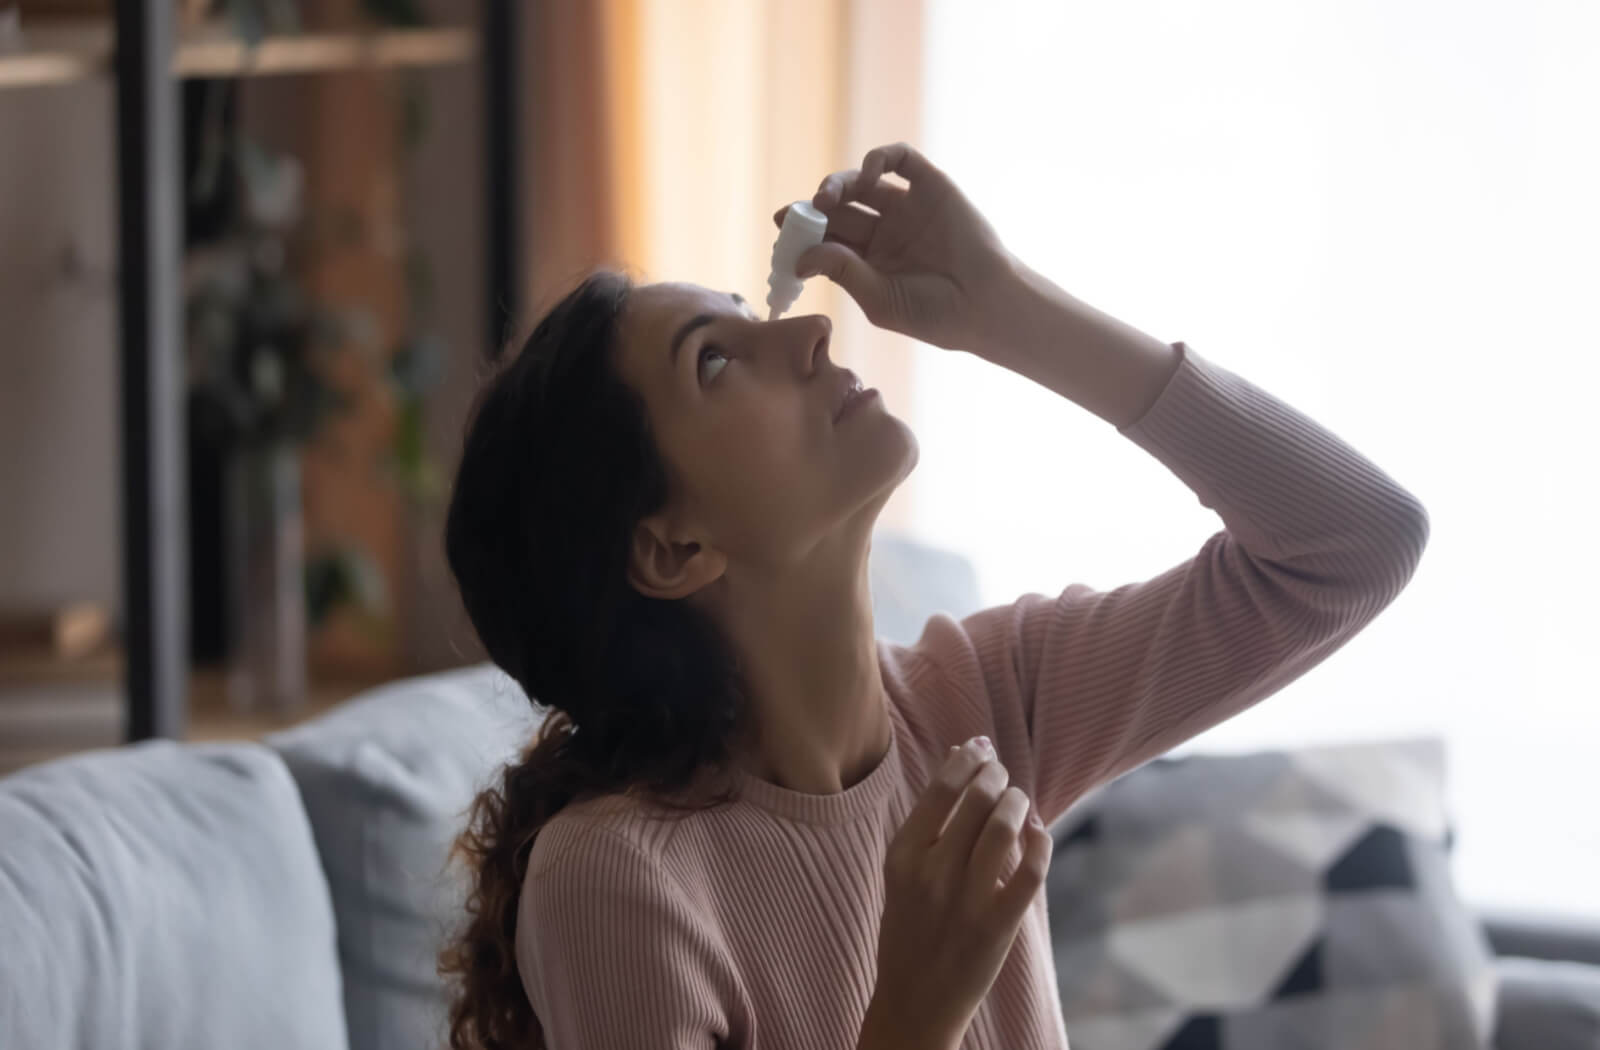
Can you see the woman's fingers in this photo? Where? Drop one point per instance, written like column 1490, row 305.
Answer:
column 855, row 199
column 848, row 224
column 852, row 224
column 901, row 158
column 882, row 196
column 843, row 186
column 831, row 190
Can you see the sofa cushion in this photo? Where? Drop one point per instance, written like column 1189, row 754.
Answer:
column 911, row 580
column 164, row 895
column 387, row 778
column 1268, row 900
column 1547, row 1005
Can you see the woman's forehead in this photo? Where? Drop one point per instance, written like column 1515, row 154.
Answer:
column 666, row 299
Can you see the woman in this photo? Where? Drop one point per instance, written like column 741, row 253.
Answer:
column 745, row 822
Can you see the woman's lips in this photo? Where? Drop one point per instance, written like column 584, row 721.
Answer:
column 855, row 399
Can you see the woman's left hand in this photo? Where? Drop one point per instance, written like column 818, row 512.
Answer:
column 923, row 261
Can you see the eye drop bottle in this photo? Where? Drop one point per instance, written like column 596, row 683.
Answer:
column 803, row 226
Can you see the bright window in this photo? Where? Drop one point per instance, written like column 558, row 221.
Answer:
column 1386, row 214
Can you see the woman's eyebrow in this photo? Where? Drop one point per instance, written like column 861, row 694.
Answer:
column 697, row 321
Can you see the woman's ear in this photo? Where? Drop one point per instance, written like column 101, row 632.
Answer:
column 664, row 565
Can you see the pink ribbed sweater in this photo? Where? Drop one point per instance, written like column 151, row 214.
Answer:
column 757, row 926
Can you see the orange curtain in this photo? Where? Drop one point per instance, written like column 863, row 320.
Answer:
column 570, row 220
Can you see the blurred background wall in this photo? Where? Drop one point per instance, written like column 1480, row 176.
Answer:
column 58, row 422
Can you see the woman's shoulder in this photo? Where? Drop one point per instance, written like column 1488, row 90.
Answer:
column 609, row 828
column 929, row 683
column 585, row 831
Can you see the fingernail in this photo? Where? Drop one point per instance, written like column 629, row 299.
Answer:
column 987, row 745
column 1033, row 818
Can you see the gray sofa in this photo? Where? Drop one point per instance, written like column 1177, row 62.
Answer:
column 292, row 893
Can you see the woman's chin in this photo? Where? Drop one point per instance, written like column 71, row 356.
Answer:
column 894, row 456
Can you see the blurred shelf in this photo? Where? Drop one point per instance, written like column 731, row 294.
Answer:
column 63, row 52
column 225, row 55
column 211, row 717
column 57, row 55
column 51, row 707
column 39, row 665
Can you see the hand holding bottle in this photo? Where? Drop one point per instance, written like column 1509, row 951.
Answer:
column 922, row 261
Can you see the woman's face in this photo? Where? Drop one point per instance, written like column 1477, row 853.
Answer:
column 743, row 411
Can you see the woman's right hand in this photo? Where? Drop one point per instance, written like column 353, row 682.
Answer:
column 918, row 259
column 950, row 912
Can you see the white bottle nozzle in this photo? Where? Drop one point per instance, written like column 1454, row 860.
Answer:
column 803, row 226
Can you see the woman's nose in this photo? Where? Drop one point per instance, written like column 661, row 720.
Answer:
column 815, row 331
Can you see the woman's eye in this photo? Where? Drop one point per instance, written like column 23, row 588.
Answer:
column 710, row 350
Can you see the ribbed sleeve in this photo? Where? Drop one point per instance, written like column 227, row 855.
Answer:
column 1317, row 541
column 614, row 957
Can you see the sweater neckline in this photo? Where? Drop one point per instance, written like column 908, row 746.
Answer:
column 841, row 807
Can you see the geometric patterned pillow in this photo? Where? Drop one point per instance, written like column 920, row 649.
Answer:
column 1286, row 899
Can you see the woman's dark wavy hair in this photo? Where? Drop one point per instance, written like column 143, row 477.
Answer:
column 642, row 694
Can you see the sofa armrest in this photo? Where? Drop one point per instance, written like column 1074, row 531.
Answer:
column 1547, row 1005
column 1535, row 936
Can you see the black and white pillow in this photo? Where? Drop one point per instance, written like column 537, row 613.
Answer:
column 1255, row 902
